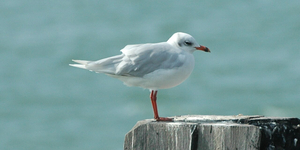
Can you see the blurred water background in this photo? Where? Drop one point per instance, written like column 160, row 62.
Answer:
column 253, row 69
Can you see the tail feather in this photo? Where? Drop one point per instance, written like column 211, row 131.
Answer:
column 81, row 64
column 106, row 65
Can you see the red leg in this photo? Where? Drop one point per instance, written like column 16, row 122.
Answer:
column 154, row 105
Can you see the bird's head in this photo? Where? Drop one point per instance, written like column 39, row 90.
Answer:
column 186, row 42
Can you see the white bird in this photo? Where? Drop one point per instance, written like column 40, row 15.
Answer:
column 151, row 66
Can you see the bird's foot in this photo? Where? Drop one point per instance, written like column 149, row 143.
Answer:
column 164, row 119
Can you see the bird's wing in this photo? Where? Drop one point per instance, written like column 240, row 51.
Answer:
column 141, row 59
column 106, row 65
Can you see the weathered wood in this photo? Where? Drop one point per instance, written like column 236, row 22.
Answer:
column 194, row 132
column 228, row 136
column 160, row 135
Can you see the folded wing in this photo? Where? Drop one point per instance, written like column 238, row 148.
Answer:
column 137, row 60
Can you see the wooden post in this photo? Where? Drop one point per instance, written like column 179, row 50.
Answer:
column 198, row 132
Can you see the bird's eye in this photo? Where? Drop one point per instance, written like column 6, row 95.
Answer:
column 188, row 43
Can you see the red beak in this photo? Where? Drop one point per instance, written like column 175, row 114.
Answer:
column 203, row 48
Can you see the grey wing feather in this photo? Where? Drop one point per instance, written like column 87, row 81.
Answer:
column 140, row 60
column 106, row 65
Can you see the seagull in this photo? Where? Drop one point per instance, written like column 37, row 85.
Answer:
column 150, row 66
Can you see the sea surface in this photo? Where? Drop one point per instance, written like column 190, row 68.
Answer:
column 253, row 67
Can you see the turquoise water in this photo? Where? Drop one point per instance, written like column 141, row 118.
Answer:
column 253, row 69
